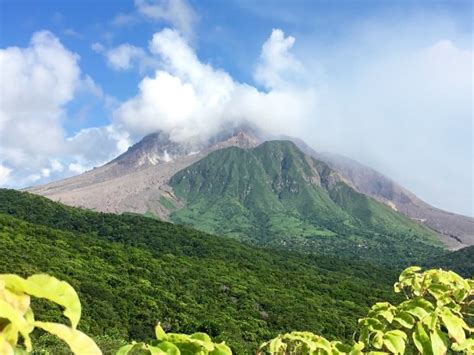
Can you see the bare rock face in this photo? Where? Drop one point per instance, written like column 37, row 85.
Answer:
column 137, row 181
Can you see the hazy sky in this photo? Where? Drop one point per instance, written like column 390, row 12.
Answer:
column 388, row 83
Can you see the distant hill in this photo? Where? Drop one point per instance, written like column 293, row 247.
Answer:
column 132, row 271
column 275, row 195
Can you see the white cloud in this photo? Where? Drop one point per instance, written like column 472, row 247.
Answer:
column 95, row 146
column 278, row 67
column 4, row 174
column 37, row 83
column 56, row 166
column 98, row 47
column 73, row 33
column 178, row 13
column 45, row 172
column 77, row 168
column 124, row 57
column 125, row 19
column 403, row 107
column 189, row 98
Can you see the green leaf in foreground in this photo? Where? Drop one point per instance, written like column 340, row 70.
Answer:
column 77, row 341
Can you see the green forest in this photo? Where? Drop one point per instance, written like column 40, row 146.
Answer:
column 132, row 272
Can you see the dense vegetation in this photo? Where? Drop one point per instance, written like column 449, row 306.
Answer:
column 434, row 318
column 460, row 261
column 276, row 196
column 132, row 272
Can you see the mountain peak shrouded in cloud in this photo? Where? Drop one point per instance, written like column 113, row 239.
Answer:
column 390, row 86
column 189, row 98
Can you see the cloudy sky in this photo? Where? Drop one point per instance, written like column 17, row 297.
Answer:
column 388, row 83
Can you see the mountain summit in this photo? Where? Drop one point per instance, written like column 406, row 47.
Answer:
column 158, row 147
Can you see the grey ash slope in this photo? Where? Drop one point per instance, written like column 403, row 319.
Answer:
column 138, row 181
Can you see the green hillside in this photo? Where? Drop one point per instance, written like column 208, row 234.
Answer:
column 133, row 271
column 460, row 261
column 276, row 196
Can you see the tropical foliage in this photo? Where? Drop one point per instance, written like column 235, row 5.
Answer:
column 430, row 321
column 17, row 318
column 460, row 261
column 175, row 344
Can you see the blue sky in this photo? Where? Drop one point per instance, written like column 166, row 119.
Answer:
column 388, row 83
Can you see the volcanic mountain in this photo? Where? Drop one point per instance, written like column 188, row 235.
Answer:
column 150, row 179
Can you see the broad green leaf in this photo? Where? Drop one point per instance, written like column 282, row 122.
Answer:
column 60, row 292
column 132, row 348
column 13, row 282
column 17, row 300
column 359, row 346
column 19, row 322
column 10, row 334
column 467, row 346
column 382, row 310
column 422, row 340
column 405, row 320
column 377, row 340
column 409, row 271
column 160, row 333
column 77, row 341
column 275, row 345
column 394, row 341
column 124, row 350
column 48, row 287
column 438, row 290
column 169, row 348
column 454, row 324
column 371, row 324
column 419, row 307
column 5, row 347
column 439, row 343
column 201, row 336
column 157, row 351
column 221, row 349
column 381, row 306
